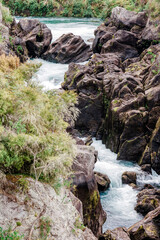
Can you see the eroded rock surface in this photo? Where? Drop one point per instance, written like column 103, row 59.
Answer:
column 39, row 205
column 120, row 233
column 86, row 188
column 103, row 181
column 68, row 48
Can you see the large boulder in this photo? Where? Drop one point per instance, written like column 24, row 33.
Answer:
column 86, row 188
column 147, row 228
column 129, row 177
column 127, row 19
column 33, row 209
column 103, row 181
column 151, row 31
column 148, row 200
column 68, row 48
column 30, row 37
column 120, row 233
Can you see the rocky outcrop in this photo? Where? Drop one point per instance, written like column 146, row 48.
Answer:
column 148, row 200
column 148, row 228
column 129, row 177
column 35, row 210
column 103, row 181
column 120, row 233
column 127, row 19
column 86, row 188
column 68, row 48
column 30, row 37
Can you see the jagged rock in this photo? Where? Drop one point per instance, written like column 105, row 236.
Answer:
column 148, row 200
column 68, row 48
column 102, row 34
column 120, row 233
column 125, row 18
column 103, row 181
column 126, row 37
column 86, row 188
column 146, row 168
column 40, row 207
column 4, row 43
column 129, row 177
column 151, row 31
column 30, row 37
column 151, row 154
column 148, row 228
column 121, row 50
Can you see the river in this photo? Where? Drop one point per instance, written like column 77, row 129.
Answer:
column 120, row 199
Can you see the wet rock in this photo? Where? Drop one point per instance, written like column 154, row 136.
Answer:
column 129, row 177
column 30, row 37
column 148, row 200
column 127, row 19
column 151, row 153
column 87, row 190
column 68, row 48
column 120, row 233
column 103, row 181
column 148, row 228
column 146, row 168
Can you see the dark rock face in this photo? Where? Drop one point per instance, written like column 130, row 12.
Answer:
column 146, row 168
column 129, row 177
column 68, row 48
column 148, row 200
column 125, row 18
column 103, row 181
column 87, row 190
column 120, row 233
column 30, row 37
column 148, row 228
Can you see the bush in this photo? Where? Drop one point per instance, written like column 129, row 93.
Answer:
column 6, row 16
column 33, row 138
column 8, row 234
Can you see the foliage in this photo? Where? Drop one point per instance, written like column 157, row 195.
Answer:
column 33, row 137
column 9, row 235
column 45, row 227
column 6, row 16
column 79, row 8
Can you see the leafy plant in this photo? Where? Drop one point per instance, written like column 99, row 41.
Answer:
column 45, row 227
column 9, row 235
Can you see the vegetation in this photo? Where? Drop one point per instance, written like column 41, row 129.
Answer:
column 79, row 8
column 9, row 235
column 6, row 16
column 33, row 137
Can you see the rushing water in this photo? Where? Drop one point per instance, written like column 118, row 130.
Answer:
column 51, row 75
column 119, row 200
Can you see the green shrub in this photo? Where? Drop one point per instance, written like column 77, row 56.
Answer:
column 9, row 235
column 33, row 137
column 6, row 16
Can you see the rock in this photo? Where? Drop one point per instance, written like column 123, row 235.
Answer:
column 68, row 48
column 32, row 37
column 102, row 34
column 146, row 168
column 121, row 50
column 127, row 19
column 88, row 141
column 151, row 153
column 148, row 200
column 147, row 228
column 126, row 37
column 4, row 42
column 151, row 31
column 103, row 181
column 40, row 208
column 129, row 177
column 86, row 188
column 120, row 233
